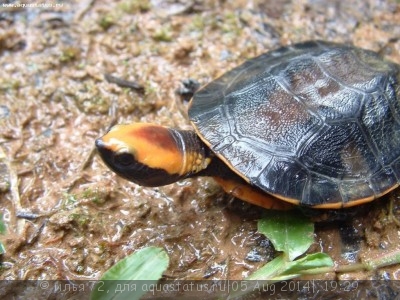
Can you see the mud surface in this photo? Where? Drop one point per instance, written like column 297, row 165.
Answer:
column 67, row 216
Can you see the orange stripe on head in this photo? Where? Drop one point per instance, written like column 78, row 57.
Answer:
column 152, row 145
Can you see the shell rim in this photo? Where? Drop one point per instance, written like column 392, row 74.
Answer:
column 335, row 205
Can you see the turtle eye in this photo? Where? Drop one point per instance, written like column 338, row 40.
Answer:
column 124, row 159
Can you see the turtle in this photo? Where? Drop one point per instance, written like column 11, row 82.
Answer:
column 313, row 124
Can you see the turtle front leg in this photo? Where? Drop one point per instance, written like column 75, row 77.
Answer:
column 244, row 191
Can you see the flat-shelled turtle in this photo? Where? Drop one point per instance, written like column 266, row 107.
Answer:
column 314, row 124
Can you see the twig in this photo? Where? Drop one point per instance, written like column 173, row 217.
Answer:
column 124, row 83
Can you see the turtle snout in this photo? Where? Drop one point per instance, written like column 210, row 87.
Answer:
column 103, row 149
column 99, row 144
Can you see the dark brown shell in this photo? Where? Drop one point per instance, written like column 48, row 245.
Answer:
column 315, row 123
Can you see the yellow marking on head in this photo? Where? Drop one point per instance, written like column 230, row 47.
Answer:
column 151, row 145
column 194, row 162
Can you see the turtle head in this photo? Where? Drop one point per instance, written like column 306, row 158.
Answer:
column 151, row 155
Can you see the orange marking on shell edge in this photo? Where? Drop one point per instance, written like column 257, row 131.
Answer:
column 249, row 194
column 151, row 144
column 355, row 202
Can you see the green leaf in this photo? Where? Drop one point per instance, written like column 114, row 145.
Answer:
column 266, row 272
column 269, row 270
column 280, row 269
column 289, row 231
column 117, row 282
column 386, row 260
column 2, row 225
column 146, row 264
column 2, row 231
column 307, row 263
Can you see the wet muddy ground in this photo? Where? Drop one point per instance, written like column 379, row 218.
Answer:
column 67, row 216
